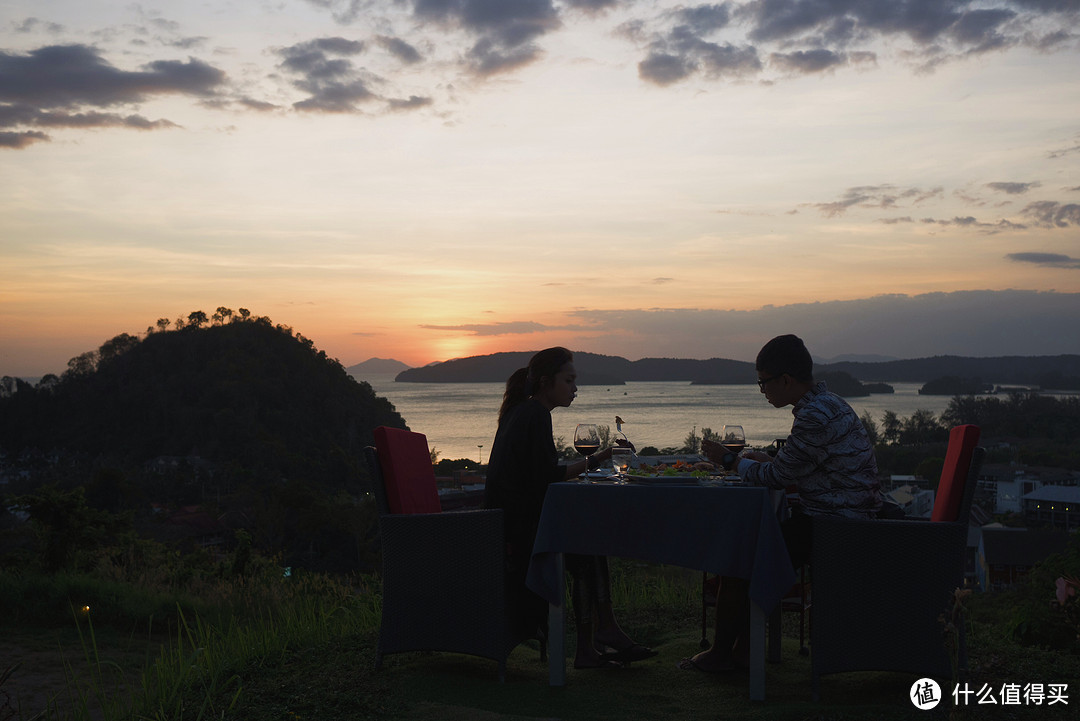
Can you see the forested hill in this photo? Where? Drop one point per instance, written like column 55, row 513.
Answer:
column 1054, row 372
column 253, row 399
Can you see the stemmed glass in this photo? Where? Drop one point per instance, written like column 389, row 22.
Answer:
column 587, row 442
column 733, row 439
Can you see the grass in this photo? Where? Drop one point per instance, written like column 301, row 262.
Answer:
column 305, row 650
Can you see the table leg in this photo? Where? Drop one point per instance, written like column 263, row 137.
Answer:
column 757, row 653
column 557, row 629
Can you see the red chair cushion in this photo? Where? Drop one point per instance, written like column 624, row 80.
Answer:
column 950, row 492
column 407, row 472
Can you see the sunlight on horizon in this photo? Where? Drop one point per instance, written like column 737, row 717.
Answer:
column 364, row 178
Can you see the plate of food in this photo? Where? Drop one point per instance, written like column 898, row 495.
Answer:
column 677, row 472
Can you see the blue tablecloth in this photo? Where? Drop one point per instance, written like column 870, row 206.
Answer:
column 731, row 531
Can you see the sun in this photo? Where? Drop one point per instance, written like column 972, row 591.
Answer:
column 455, row 347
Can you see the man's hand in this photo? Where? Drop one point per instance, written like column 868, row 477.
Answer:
column 759, row 456
column 714, row 451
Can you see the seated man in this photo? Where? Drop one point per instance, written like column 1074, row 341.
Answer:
column 828, row 458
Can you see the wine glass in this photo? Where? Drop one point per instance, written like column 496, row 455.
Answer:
column 586, row 441
column 733, row 439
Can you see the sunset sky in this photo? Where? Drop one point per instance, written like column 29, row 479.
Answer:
column 428, row 179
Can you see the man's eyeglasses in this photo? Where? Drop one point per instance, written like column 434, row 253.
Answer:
column 764, row 381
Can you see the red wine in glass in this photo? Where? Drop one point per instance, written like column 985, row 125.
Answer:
column 586, row 440
column 733, row 439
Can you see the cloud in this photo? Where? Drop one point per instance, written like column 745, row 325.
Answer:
column 1054, row 260
column 808, row 61
column 969, row 221
column 487, row 57
column 505, row 29
column 1051, row 214
column 814, row 36
column 489, row 329
column 400, row 49
column 21, row 140
column 665, row 69
column 34, row 25
column 413, row 102
column 1053, row 154
column 592, row 6
column 65, row 86
column 67, row 76
column 970, row 323
column 1013, row 188
column 327, row 75
column 344, row 12
column 875, row 196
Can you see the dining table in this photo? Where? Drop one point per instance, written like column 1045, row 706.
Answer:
column 726, row 529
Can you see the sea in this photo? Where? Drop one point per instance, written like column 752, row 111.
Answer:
column 459, row 419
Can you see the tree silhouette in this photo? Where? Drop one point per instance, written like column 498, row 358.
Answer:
column 197, row 318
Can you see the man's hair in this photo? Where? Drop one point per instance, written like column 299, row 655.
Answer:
column 786, row 354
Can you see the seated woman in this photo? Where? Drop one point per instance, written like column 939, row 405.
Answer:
column 522, row 463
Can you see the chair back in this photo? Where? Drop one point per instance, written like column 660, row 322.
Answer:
column 407, row 474
column 956, row 487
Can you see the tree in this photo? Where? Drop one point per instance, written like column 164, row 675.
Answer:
column 163, row 324
column 244, row 313
column 871, row 427
column 890, row 427
column 116, row 346
column 920, row 428
column 65, row 524
column 692, row 442
column 223, row 314
column 82, row 365
column 197, row 318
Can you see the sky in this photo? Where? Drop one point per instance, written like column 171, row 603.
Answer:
column 430, row 179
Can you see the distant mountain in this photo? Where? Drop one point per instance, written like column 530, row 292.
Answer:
column 592, row 369
column 1051, row 372
column 376, row 367
column 855, row 358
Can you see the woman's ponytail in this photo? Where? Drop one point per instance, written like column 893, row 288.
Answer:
column 517, row 391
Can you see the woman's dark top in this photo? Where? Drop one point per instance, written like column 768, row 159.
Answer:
column 523, row 462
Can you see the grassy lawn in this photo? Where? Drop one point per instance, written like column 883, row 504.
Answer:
column 325, row 671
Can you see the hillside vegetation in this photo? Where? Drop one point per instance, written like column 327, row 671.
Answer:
column 246, row 396
column 244, row 418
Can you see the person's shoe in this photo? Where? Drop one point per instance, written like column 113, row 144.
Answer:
column 635, row 652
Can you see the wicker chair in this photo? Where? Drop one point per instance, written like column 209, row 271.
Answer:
column 881, row 587
column 443, row 573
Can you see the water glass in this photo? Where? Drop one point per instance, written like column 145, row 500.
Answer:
column 620, row 460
